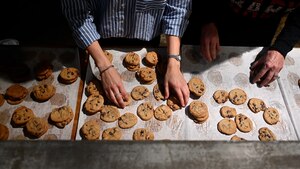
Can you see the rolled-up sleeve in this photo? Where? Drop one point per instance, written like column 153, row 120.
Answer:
column 79, row 16
column 175, row 19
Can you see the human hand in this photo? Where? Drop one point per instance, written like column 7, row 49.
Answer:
column 209, row 42
column 174, row 80
column 266, row 69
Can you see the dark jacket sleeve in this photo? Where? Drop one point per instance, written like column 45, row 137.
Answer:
column 290, row 33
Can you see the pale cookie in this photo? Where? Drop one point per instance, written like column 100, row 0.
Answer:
column 220, row 96
column 256, row 105
column 140, row 93
column 132, row 61
column 69, row 75
column 151, row 59
column 127, row 120
column 90, row 130
column 146, row 75
column 173, row 103
column 109, row 113
column 108, row 55
column 243, row 123
column 15, row 94
column 237, row 96
column 94, row 87
column 2, row 100
column 162, row 112
column 143, row 134
column 61, row 116
column 227, row 112
column 157, row 93
column 4, row 132
column 112, row 134
column 145, row 111
column 199, row 111
column 237, row 138
column 43, row 92
column 21, row 116
column 265, row 134
column 93, row 104
column 36, row 127
column 271, row 115
column 196, row 86
column 227, row 126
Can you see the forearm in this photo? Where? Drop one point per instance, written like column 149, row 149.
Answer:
column 98, row 55
column 173, row 48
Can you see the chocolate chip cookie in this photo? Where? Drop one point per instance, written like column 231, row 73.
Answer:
column 143, row 134
column 220, row 96
column 61, row 116
column 15, row 94
column 265, row 134
column 227, row 126
column 271, row 116
column 36, row 127
column 90, row 130
column 109, row 113
column 43, row 92
column 196, row 86
column 112, row 134
column 227, row 112
column 21, row 116
column 140, row 93
column 146, row 75
column 243, row 123
column 199, row 111
column 127, row 120
column 256, row 105
column 162, row 112
column 145, row 111
column 237, row 96
column 68, row 75
column 93, row 104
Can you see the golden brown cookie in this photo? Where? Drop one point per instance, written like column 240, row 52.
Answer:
column 112, row 134
column 61, row 116
column 162, row 112
column 2, row 100
column 68, row 75
column 243, row 123
column 109, row 113
column 94, row 87
column 227, row 112
column 127, row 120
column 256, row 105
column 21, row 116
column 132, row 61
column 4, row 132
column 237, row 138
column 220, row 96
column 43, row 92
column 90, row 130
column 36, row 127
column 143, row 134
column 157, row 93
column 93, row 104
column 271, row 115
column 146, row 75
column 15, row 94
column 43, row 71
column 265, row 134
column 196, row 86
column 199, row 111
column 151, row 59
column 108, row 55
column 237, row 96
column 140, row 93
column 173, row 103
column 145, row 111
column 227, row 126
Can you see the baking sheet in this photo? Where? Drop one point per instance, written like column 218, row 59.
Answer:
column 231, row 70
column 65, row 94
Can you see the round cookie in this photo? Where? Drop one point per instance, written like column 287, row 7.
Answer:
column 237, row 138
column 61, row 116
column 271, row 115
column 43, row 92
column 157, row 93
column 162, row 112
column 93, row 104
column 228, row 112
column 43, row 71
column 151, row 59
column 36, row 127
column 173, row 103
column 243, row 123
column 94, row 87
column 220, row 96
column 265, row 134
column 69, row 75
column 132, row 61
column 256, row 105
column 2, row 100
column 108, row 55
column 15, row 94
column 146, row 75
column 127, row 120
column 4, row 132
column 227, row 126
column 237, row 96
column 143, row 134
column 199, row 111
column 21, row 116
column 90, row 130
column 112, row 134
column 196, row 86
column 140, row 93
column 145, row 111
column 109, row 113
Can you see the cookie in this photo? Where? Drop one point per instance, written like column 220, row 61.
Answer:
column 94, row 87
column 151, row 59
column 237, row 138
column 237, row 96
column 139, row 93
column 15, row 94
column 265, row 134
column 227, row 126
column 2, row 100
column 21, row 116
column 112, row 134
column 145, row 111
column 4, row 132
column 146, row 75
column 43, row 70
column 196, row 86
column 90, row 130
column 43, row 92
column 256, row 105
column 109, row 113
column 127, row 120
column 68, row 75
column 199, row 111
column 158, row 95
column 162, row 112
column 108, row 55
column 36, row 127
column 220, row 96
column 142, row 134
column 93, row 104
column 173, row 103
column 61, row 116
column 132, row 61
column 227, row 112
column 271, row 115
column 243, row 123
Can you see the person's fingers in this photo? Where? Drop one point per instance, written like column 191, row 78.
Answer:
column 267, row 78
column 254, row 65
column 179, row 96
column 166, row 90
column 257, row 77
column 123, row 92
column 186, row 95
column 213, row 52
column 118, row 97
column 205, row 52
column 112, row 97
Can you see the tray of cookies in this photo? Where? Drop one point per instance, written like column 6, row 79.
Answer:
column 37, row 91
column 223, row 104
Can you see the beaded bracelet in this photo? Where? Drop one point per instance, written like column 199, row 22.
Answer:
column 108, row 67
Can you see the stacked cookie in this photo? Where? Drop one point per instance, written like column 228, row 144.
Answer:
column 15, row 94
column 61, row 116
column 146, row 75
column 132, row 61
column 199, row 111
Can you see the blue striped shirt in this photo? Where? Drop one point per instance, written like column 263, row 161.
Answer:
column 91, row 20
